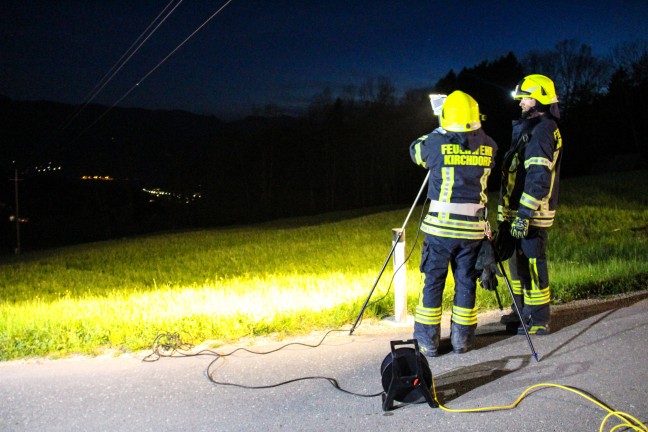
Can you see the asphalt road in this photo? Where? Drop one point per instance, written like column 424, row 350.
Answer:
column 598, row 347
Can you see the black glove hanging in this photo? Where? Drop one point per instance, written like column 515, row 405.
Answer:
column 504, row 243
column 487, row 264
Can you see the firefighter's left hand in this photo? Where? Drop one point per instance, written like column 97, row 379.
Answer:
column 520, row 227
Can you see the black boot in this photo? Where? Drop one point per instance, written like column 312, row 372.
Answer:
column 511, row 318
column 428, row 337
column 462, row 337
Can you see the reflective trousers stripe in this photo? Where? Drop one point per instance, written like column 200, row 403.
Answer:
column 429, row 316
column 516, row 286
column 464, row 316
column 537, row 297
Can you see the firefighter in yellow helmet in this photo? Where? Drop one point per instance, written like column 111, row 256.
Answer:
column 528, row 200
column 460, row 157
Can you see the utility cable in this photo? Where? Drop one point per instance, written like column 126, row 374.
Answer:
column 125, row 57
column 141, row 80
column 146, row 34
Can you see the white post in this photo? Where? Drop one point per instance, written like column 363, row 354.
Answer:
column 400, row 276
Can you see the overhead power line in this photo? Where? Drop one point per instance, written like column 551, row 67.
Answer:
column 125, row 57
column 141, row 80
column 119, row 64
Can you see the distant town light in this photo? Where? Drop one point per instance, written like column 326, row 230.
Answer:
column 157, row 193
column 97, row 178
column 42, row 169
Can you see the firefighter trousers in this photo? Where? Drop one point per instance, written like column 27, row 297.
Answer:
column 530, row 277
column 438, row 254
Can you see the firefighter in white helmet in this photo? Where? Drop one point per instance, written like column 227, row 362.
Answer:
column 528, row 200
column 460, row 157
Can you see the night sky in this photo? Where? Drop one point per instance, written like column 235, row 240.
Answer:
column 279, row 51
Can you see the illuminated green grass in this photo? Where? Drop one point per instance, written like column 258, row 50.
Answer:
column 288, row 277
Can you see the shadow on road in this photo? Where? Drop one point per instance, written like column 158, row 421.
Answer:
column 562, row 316
column 566, row 315
column 452, row 384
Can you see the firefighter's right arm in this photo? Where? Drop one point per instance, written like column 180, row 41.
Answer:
column 418, row 151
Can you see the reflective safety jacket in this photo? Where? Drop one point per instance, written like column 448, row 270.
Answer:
column 531, row 172
column 459, row 164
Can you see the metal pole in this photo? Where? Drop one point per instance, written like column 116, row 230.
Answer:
column 17, row 250
column 391, row 252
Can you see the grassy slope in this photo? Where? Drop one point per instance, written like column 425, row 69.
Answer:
column 288, row 277
column 599, row 244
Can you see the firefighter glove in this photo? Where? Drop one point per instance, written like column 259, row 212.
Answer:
column 487, row 265
column 488, row 280
column 520, row 227
column 504, row 243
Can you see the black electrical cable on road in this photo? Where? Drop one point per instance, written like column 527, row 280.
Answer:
column 173, row 345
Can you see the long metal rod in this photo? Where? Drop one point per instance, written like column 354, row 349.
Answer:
column 517, row 309
column 391, row 252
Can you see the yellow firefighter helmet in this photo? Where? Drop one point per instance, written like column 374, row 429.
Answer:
column 537, row 87
column 460, row 113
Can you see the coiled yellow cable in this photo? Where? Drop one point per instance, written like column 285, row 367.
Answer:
column 628, row 420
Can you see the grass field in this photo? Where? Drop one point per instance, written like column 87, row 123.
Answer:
column 287, row 277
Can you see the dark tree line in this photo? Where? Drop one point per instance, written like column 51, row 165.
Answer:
column 349, row 150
